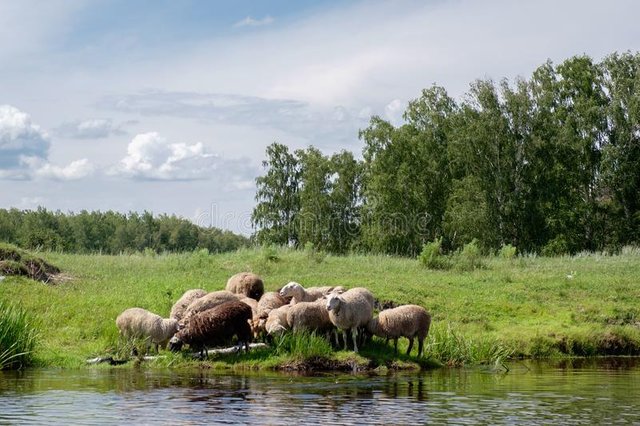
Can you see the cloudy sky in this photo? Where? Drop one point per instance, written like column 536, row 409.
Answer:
column 168, row 106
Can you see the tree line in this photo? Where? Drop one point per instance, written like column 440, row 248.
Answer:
column 111, row 232
column 548, row 164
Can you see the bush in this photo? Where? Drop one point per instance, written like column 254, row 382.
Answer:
column 314, row 254
column 431, row 256
column 556, row 247
column 18, row 337
column 470, row 257
column 507, row 251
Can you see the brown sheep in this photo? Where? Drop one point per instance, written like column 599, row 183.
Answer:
column 246, row 283
column 408, row 321
column 208, row 301
column 215, row 326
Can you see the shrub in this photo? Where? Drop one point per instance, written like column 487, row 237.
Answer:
column 507, row 251
column 431, row 256
column 18, row 337
column 556, row 247
column 314, row 254
column 470, row 257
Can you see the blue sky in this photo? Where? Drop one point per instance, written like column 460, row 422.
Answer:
column 168, row 105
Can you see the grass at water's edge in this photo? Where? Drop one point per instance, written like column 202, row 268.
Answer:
column 18, row 337
column 529, row 307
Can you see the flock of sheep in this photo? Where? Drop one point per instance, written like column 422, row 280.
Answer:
column 243, row 310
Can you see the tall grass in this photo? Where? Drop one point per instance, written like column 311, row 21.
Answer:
column 18, row 337
column 455, row 349
column 302, row 345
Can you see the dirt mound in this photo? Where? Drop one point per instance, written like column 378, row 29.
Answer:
column 14, row 261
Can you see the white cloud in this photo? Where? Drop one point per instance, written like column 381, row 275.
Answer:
column 96, row 128
column 150, row 156
column 252, row 22
column 394, row 110
column 75, row 170
column 19, row 137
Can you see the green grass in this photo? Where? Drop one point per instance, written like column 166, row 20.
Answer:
column 18, row 337
column 519, row 307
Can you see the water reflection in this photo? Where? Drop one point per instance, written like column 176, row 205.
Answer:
column 563, row 392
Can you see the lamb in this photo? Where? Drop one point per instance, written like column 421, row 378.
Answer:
column 215, row 326
column 269, row 301
column 177, row 311
column 140, row 323
column 299, row 294
column 351, row 310
column 408, row 321
column 311, row 316
column 208, row 301
column 246, row 283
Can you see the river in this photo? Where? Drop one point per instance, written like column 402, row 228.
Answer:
column 596, row 391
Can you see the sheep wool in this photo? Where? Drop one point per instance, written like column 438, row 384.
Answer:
column 246, row 283
column 140, row 323
column 410, row 321
column 216, row 326
column 208, row 301
column 268, row 302
column 312, row 316
column 351, row 310
column 298, row 293
column 177, row 311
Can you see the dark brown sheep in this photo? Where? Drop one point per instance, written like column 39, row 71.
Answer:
column 215, row 326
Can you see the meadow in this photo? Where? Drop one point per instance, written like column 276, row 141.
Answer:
column 520, row 307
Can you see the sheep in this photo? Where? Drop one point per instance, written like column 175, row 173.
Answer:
column 215, row 326
column 253, row 304
column 140, row 323
column 351, row 310
column 177, row 311
column 246, row 283
column 312, row 316
column 299, row 294
column 208, row 301
column 408, row 321
column 269, row 301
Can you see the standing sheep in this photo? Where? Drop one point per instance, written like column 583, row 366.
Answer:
column 140, row 323
column 312, row 316
column 299, row 294
column 351, row 310
column 408, row 321
column 208, row 301
column 177, row 311
column 215, row 326
column 269, row 301
column 246, row 283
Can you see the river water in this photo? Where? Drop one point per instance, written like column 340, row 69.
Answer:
column 601, row 391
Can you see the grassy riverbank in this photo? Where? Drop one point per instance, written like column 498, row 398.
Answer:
column 521, row 307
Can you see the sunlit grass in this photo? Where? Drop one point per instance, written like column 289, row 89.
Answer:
column 18, row 337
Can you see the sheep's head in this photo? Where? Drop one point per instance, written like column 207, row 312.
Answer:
column 334, row 302
column 175, row 344
column 290, row 289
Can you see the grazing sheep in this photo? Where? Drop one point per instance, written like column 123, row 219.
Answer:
column 408, row 321
column 277, row 320
column 269, row 301
column 253, row 304
column 246, row 283
column 215, row 326
column 299, row 294
column 140, row 323
column 351, row 310
column 177, row 311
column 312, row 316
column 208, row 301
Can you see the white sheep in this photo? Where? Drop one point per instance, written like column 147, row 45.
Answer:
column 408, row 321
column 299, row 294
column 140, row 323
column 177, row 311
column 312, row 316
column 253, row 303
column 208, row 301
column 247, row 284
column 351, row 310
column 269, row 301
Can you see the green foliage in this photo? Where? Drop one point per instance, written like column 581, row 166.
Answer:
column 18, row 337
column 507, row 251
column 431, row 255
column 549, row 164
column 302, row 345
column 470, row 257
column 111, row 232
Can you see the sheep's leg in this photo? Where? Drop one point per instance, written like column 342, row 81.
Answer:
column 420, row 346
column 354, row 336
column 410, row 345
column 344, row 336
